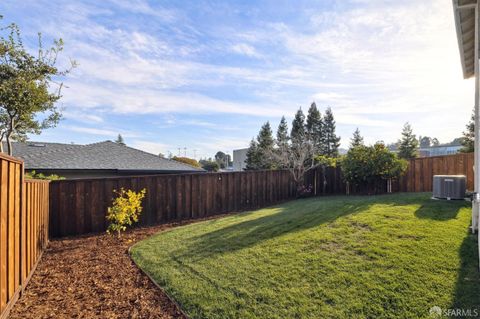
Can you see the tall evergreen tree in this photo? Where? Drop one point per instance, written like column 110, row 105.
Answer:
column 298, row 128
column 265, row 146
column 313, row 126
column 408, row 144
column 253, row 157
column 265, row 137
column 259, row 154
column 468, row 141
column 120, row 140
column 357, row 139
column 282, row 134
column 331, row 140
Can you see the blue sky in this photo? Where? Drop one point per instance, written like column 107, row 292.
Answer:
column 205, row 75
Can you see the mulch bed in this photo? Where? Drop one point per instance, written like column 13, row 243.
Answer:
column 94, row 277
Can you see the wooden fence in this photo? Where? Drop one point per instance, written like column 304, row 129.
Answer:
column 79, row 206
column 418, row 177
column 23, row 229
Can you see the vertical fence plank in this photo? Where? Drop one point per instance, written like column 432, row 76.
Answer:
column 3, row 237
column 11, row 230
column 23, row 232
column 16, row 209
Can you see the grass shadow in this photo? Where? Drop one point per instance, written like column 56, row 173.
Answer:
column 467, row 290
column 440, row 210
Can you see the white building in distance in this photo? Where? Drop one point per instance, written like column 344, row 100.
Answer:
column 239, row 158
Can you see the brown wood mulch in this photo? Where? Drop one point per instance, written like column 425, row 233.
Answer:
column 94, row 277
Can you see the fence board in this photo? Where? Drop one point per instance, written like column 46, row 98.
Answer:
column 168, row 198
column 23, row 229
column 417, row 178
column 419, row 175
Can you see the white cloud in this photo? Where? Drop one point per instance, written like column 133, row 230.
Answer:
column 245, row 49
column 100, row 132
column 143, row 7
column 151, row 101
column 377, row 65
column 82, row 116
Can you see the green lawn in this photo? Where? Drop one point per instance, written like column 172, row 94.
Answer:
column 391, row 256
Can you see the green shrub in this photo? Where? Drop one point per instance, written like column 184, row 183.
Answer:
column 52, row 177
column 126, row 208
column 210, row 166
column 368, row 165
column 186, row 160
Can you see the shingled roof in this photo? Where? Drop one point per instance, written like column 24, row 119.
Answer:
column 97, row 156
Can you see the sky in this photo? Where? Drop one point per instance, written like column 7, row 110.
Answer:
column 203, row 76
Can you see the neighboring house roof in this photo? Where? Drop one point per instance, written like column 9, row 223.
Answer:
column 97, row 156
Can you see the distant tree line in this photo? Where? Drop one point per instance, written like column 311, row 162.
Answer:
column 309, row 137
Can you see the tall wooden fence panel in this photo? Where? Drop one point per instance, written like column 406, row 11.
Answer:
column 417, row 178
column 325, row 181
column 79, row 206
column 23, row 229
column 420, row 172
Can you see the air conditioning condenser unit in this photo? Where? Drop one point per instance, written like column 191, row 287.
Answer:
column 449, row 186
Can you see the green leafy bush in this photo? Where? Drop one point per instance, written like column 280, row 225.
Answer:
column 126, row 208
column 210, row 166
column 186, row 160
column 52, row 177
column 326, row 161
column 368, row 165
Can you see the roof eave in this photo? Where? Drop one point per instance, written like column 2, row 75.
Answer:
column 461, row 45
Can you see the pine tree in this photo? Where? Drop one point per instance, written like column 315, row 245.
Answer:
column 468, row 141
column 253, row 160
column 259, row 154
column 265, row 137
column 313, row 126
column 357, row 139
column 120, row 140
column 298, row 128
column 265, row 146
column 282, row 134
column 408, row 144
column 331, row 141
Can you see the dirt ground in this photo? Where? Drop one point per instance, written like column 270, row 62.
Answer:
column 93, row 277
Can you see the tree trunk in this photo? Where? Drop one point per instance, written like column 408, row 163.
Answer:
column 9, row 145
column 324, row 182
column 9, row 135
column 1, row 142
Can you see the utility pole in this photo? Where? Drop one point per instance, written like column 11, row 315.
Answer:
column 185, row 152
column 179, row 154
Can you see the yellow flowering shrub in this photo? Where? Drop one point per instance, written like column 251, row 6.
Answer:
column 126, row 207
